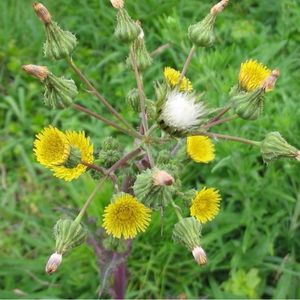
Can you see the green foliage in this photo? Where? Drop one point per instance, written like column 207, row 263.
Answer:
column 258, row 227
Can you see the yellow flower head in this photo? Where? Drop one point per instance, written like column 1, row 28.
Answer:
column 85, row 149
column 200, row 148
column 252, row 75
column 206, row 204
column 172, row 78
column 51, row 147
column 126, row 217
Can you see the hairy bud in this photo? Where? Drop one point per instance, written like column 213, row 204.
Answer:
column 42, row 12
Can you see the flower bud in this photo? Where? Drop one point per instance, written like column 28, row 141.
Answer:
column 199, row 255
column 42, row 12
column 202, row 33
column 249, row 106
column 59, row 92
column 59, row 43
column 38, row 72
column 162, row 178
column 187, row 232
column 68, row 235
column 274, row 146
column 118, row 4
column 154, row 188
column 53, row 263
column 126, row 29
column 133, row 100
column 74, row 158
column 142, row 57
column 110, row 152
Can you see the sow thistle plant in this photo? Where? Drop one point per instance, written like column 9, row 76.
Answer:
column 175, row 117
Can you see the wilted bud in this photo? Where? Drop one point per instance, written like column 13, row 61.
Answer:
column 118, row 4
column 298, row 156
column 39, row 72
column 68, row 235
column 59, row 43
column 139, row 50
column 42, row 12
column 53, row 263
column 126, row 29
column 199, row 255
column 152, row 194
column 274, row 146
column 249, row 105
column 202, row 33
column 162, row 178
column 187, row 232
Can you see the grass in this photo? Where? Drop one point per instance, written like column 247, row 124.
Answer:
column 253, row 245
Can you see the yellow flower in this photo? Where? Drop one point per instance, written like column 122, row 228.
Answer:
column 126, row 217
column 200, row 149
column 83, row 148
column 252, row 75
column 51, row 147
column 172, row 78
column 206, row 204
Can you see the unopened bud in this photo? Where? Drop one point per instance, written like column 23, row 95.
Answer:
column 270, row 82
column 39, row 72
column 219, row 7
column 162, row 178
column 42, row 12
column 118, row 4
column 199, row 255
column 53, row 263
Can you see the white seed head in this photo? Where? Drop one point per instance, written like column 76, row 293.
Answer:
column 182, row 111
column 162, row 178
column 199, row 255
column 118, row 4
column 219, row 7
column 53, row 263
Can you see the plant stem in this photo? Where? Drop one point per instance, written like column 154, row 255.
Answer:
column 177, row 210
column 140, row 87
column 95, row 92
column 221, row 121
column 186, row 64
column 108, row 122
column 89, row 200
column 220, row 114
column 160, row 50
column 94, row 167
column 230, row 138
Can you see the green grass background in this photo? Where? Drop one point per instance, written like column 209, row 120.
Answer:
column 253, row 245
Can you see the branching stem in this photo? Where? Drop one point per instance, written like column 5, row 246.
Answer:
column 186, row 64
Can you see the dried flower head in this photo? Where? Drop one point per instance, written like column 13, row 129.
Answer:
column 199, row 255
column 39, row 72
column 126, row 217
column 270, row 81
column 118, row 4
column 83, row 151
column 219, row 7
column 53, row 263
column 206, row 204
column 201, row 149
column 172, row 78
column 252, row 75
column 181, row 111
column 42, row 12
column 51, row 147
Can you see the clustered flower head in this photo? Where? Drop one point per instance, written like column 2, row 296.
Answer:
column 148, row 178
